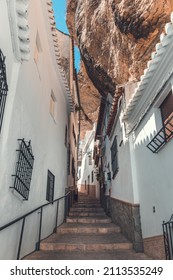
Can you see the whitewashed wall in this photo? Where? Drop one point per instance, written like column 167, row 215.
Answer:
column 122, row 186
column 27, row 116
column 154, row 175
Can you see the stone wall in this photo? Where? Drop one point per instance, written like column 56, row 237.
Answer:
column 127, row 216
column 154, row 247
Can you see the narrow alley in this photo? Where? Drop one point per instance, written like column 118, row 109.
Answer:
column 86, row 130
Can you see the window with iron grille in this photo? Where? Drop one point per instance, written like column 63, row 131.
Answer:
column 92, row 176
column 3, row 87
column 89, row 159
column 167, row 115
column 73, row 168
column 114, row 157
column 68, row 159
column 65, row 142
column 50, row 186
column 165, row 134
column 74, row 136
column 24, row 167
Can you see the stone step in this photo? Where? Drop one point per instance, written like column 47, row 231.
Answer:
column 88, row 228
column 85, row 214
column 101, row 219
column 89, row 202
column 93, row 205
column 80, row 209
column 85, row 242
column 87, row 255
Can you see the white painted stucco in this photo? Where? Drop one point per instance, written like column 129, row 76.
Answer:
column 143, row 115
column 122, row 184
column 27, row 115
column 153, row 175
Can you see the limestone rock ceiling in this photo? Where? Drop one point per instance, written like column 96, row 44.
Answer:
column 90, row 100
column 116, row 39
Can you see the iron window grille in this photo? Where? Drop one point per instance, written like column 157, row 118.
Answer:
column 3, row 87
column 65, row 142
column 50, row 186
column 89, row 160
column 162, row 137
column 73, row 168
column 92, row 176
column 24, row 167
column 74, row 136
column 114, row 157
column 68, row 159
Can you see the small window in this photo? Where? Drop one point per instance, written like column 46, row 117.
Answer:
column 73, row 168
column 114, row 157
column 68, row 159
column 90, row 158
column 79, row 174
column 65, row 142
column 74, row 136
column 24, row 167
column 38, row 48
column 92, row 176
column 50, row 186
column 53, row 105
column 165, row 134
column 167, row 107
column 167, row 114
column 88, row 180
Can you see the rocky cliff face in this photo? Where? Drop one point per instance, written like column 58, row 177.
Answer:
column 116, row 37
column 90, row 100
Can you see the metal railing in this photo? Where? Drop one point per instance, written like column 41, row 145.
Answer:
column 168, row 238
column 69, row 199
column 162, row 137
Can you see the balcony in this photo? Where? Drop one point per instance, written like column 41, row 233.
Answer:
column 162, row 137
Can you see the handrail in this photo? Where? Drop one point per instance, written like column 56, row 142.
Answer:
column 29, row 213
column 68, row 202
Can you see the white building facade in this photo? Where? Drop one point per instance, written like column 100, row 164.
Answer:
column 149, row 124
column 33, row 168
column 87, row 182
column 139, row 151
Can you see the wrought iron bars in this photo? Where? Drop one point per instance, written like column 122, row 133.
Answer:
column 50, row 186
column 3, row 87
column 162, row 137
column 168, row 238
column 24, row 168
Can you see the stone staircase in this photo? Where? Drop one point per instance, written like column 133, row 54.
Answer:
column 88, row 234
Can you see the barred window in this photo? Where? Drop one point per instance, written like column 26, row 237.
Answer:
column 114, row 157
column 73, row 168
column 167, row 115
column 24, row 167
column 74, row 136
column 68, row 159
column 50, row 186
column 65, row 142
column 92, row 176
column 3, row 87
